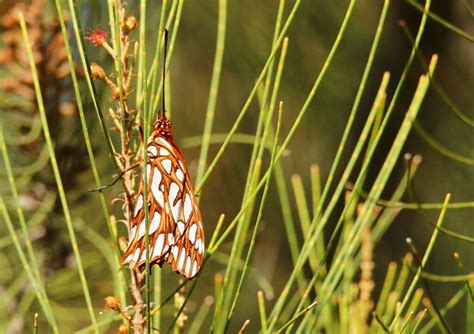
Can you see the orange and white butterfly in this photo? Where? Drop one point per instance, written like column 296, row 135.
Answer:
column 176, row 231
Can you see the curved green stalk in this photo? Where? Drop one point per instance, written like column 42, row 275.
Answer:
column 440, row 148
column 246, row 106
column 90, row 152
column 57, row 174
column 465, row 119
column 90, row 84
column 37, row 285
column 258, row 221
column 423, row 264
column 441, row 21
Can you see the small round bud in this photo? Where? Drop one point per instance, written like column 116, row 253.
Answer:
column 112, row 302
column 131, row 23
column 97, row 71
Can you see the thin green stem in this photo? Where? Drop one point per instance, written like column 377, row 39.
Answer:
column 57, row 174
column 426, row 255
column 24, row 228
column 441, row 21
column 214, row 89
column 427, row 138
column 258, row 221
column 36, row 284
column 444, row 96
column 90, row 153
column 90, row 84
column 250, row 98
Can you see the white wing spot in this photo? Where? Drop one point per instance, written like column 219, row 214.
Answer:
column 188, row 266
column 128, row 258
column 159, row 245
column 174, row 188
column 155, row 222
column 148, row 169
column 192, row 233
column 152, row 150
column 174, row 251
column 170, row 238
column 141, row 230
column 197, row 244
column 180, row 227
column 166, row 163
column 164, row 142
column 176, row 210
column 132, row 233
column 187, row 208
column 136, row 254
column 201, row 248
column 157, row 194
column 143, row 257
column 179, row 175
column 164, row 151
column 195, row 267
column 139, row 205
column 182, row 255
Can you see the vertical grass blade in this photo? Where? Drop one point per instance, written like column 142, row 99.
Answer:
column 57, row 175
column 98, row 183
column 214, row 89
column 37, row 285
column 426, row 256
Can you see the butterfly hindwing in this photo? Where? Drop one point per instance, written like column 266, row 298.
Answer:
column 175, row 230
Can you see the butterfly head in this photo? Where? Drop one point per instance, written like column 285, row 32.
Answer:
column 163, row 125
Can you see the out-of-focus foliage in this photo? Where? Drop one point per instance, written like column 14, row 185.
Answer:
column 379, row 274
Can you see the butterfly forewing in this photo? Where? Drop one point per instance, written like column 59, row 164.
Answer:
column 175, row 226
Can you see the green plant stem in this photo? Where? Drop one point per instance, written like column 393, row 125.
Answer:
column 201, row 315
column 435, row 84
column 250, row 98
column 153, row 72
column 214, row 89
column 307, row 246
column 258, row 221
column 440, row 148
column 90, row 153
column 154, row 104
column 24, row 229
column 57, row 174
column 37, row 285
column 90, row 84
column 359, row 225
column 426, row 255
column 441, row 21
column 261, row 311
column 253, row 173
column 297, row 316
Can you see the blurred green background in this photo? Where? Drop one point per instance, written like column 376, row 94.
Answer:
column 249, row 34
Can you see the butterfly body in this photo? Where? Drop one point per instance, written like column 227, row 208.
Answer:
column 175, row 228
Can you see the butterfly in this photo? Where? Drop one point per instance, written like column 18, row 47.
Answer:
column 176, row 233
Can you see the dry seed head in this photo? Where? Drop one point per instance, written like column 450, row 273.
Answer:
column 131, row 23
column 97, row 72
column 123, row 329
column 112, row 302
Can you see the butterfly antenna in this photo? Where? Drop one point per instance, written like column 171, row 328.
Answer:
column 163, row 110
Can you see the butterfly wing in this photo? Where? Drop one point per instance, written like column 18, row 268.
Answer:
column 176, row 230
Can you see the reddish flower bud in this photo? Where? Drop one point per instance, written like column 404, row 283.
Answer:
column 97, row 36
